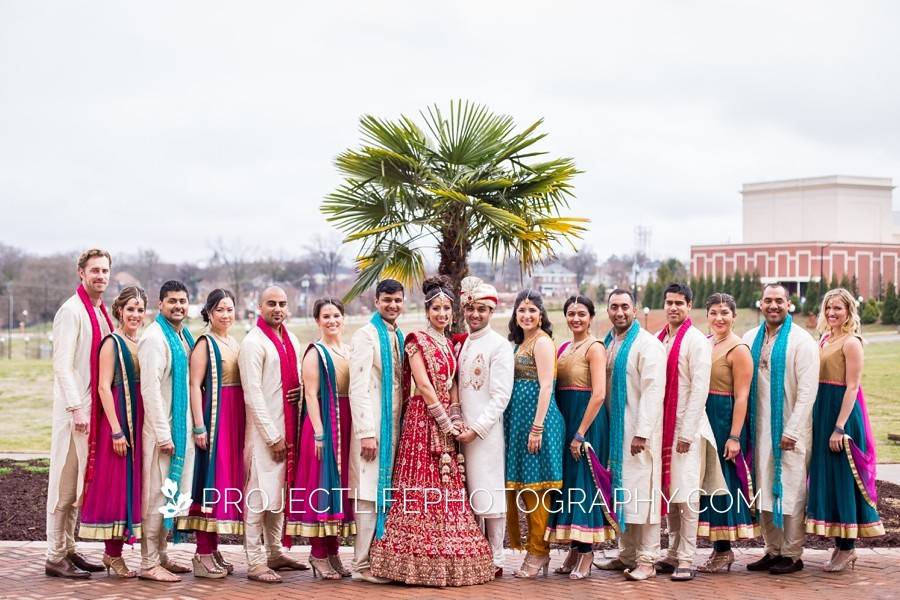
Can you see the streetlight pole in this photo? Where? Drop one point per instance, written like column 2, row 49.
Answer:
column 9, row 323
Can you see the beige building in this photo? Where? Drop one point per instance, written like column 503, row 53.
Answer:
column 835, row 208
column 812, row 229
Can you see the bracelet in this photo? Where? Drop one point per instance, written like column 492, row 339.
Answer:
column 579, row 437
column 319, row 437
column 118, row 435
column 839, row 430
column 734, row 438
column 536, row 434
column 199, row 430
column 537, row 427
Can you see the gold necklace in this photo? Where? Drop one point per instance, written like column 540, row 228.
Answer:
column 340, row 351
column 226, row 341
column 133, row 339
column 719, row 341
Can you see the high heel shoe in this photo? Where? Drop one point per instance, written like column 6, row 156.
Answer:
column 207, row 572
column 321, row 567
column 532, row 565
column 718, row 562
column 583, row 566
column 338, row 566
column 117, row 565
column 568, row 564
column 229, row 567
column 841, row 560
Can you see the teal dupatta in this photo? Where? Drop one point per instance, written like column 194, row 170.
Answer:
column 385, row 448
column 180, row 400
column 777, row 365
column 331, row 503
column 128, row 407
column 619, row 397
column 205, row 461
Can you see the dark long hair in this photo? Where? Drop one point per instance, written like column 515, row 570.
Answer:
column 516, row 333
column 212, row 301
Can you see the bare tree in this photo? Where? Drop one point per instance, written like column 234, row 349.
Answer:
column 325, row 252
column 11, row 260
column 237, row 260
column 583, row 263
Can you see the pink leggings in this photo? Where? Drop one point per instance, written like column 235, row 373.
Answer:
column 323, row 547
column 113, row 547
column 207, row 542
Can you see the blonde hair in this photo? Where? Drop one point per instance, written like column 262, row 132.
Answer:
column 92, row 253
column 852, row 324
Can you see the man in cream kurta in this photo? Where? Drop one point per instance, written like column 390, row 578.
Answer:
column 155, row 358
column 485, row 379
column 694, row 467
column 264, row 445
column 365, row 407
column 72, row 334
column 784, row 547
column 642, row 440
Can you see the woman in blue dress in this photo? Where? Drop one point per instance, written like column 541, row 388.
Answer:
column 842, row 495
column 580, row 392
column 533, row 427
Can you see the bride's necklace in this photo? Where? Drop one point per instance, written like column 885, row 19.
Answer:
column 444, row 348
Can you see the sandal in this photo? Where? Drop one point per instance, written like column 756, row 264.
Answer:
column 263, row 574
column 683, row 574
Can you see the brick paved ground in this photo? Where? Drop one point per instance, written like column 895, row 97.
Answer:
column 877, row 575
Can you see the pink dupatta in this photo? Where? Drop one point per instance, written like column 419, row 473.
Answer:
column 670, row 408
column 290, row 380
column 96, row 339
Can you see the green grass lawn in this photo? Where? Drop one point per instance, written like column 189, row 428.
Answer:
column 26, row 385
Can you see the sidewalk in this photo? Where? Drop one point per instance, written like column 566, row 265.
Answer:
column 877, row 575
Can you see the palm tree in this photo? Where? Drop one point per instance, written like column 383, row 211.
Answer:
column 465, row 182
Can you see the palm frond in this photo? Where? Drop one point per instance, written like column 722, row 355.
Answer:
column 391, row 259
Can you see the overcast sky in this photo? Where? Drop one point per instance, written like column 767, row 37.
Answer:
column 166, row 125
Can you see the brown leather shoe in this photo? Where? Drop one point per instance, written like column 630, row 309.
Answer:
column 64, row 568
column 286, row 563
column 83, row 563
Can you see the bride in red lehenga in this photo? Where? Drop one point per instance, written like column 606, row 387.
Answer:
column 430, row 536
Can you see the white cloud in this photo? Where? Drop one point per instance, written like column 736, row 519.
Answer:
column 167, row 125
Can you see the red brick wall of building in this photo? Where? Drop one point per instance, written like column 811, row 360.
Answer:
column 873, row 265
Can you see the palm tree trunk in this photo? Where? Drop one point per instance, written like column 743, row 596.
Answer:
column 454, row 249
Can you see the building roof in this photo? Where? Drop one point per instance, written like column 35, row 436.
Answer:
column 826, row 180
column 551, row 269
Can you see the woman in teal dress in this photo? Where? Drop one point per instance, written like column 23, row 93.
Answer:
column 842, row 495
column 580, row 392
column 726, row 518
column 533, row 427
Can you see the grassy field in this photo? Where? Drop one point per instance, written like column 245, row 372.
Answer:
column 26, row 384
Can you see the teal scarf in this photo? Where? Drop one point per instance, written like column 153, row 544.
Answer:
column 777, row 363
column 330, row 503
column 179, row 400
column 128, row 406
column 385, row 449
column 205, row 460
column 619, row 398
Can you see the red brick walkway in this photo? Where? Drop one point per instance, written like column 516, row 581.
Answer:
column 877, row 575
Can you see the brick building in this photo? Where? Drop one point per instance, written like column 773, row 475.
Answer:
column 805, row 230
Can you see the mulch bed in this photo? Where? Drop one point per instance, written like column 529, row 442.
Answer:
column 23, row 505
